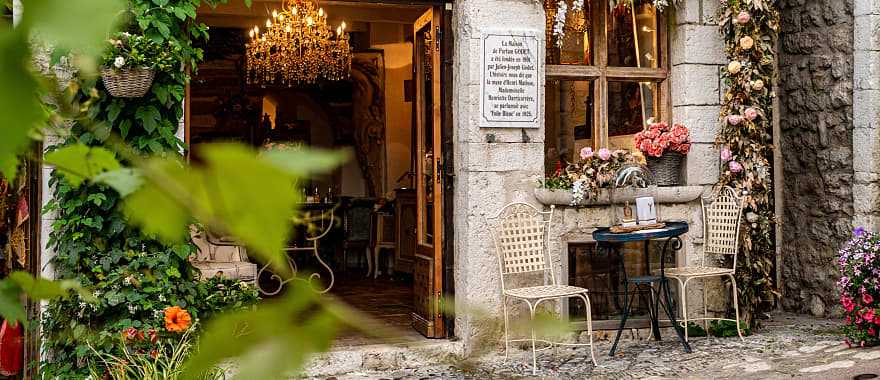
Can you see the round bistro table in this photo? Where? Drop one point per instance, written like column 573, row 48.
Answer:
column 671, row 234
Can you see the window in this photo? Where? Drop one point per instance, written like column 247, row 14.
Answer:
column 606, row 76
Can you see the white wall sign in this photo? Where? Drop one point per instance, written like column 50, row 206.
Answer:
column 509, row 79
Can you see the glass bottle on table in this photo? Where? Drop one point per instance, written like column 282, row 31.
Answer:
column 316, row 196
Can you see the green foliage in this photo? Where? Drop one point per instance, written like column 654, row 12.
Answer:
column 749, row 44
column 79, row 162
column 128, row 50
column 20, row 94
column 727, row 329
column 18, row 283
column 695, row 330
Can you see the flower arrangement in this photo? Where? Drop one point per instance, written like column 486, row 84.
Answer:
column 750, row 29
column 594, row 171
column 859, row 287
column 659, row 138
column 129, row 51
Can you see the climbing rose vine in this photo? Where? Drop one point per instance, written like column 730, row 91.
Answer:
column 750, row 29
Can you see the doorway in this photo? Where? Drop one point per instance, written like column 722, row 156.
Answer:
column 389, row 254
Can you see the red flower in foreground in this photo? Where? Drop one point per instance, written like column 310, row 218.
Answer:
column 867, row 298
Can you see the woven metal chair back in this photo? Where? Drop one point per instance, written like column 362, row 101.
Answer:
column 519, row 231
column 721, row 222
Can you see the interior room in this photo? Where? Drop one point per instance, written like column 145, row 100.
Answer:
column 366, row 107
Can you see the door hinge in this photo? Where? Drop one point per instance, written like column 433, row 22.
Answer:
column 439, row 170
column 439, row 304
column 439, row 34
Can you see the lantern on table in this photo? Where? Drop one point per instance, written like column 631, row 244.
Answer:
column 633, row 196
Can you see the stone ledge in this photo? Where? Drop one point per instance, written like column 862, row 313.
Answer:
column 672, row 194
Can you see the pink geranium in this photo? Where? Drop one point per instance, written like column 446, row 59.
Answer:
column 743, row 17
column 586, row 153
column 867, row 299
column 726, row 154
column 659, row 138
column 734, row 166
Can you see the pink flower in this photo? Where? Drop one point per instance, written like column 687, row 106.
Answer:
column 683, row 148
column 743, row 17
column 869, row 316
column 871, row 331
column 604, row 154
column 734, row 119
column 734, row 166
column 586, row 153
column 726, row 154
column 867, row 298
column 751, row 113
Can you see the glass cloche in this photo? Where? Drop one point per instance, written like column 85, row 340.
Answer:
column 634, row 197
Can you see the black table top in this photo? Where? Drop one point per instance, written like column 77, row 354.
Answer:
column 671, row 229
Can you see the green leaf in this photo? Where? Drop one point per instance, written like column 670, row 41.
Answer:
column 18, row 99
column 79, row 162
column 248, row 3
column 125, row 181
column 152, row 208
column 11, row 308
column 149, row 116
column 81, row 26
column 39, row 288
column 303, row 162
column 275, row 338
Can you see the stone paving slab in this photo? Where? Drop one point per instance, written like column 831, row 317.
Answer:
column 786, row 347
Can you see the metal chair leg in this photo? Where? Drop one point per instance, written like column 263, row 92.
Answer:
column 506, row 332
column 586, row 299
column 705, row 308
column 684, row 307
column 736, row 306
column 532, row 326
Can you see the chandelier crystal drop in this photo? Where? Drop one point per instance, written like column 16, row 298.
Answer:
column 297, row 47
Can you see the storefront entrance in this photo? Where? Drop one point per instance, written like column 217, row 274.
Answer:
column 387, row 254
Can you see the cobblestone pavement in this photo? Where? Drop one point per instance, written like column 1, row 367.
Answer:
column 786, row 347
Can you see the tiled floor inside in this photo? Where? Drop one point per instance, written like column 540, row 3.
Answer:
column 388, row 301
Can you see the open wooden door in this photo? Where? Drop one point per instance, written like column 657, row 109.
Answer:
column 428, row 265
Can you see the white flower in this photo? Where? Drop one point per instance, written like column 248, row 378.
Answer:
column 119, row 62
column 127, row 34
column 132, row 308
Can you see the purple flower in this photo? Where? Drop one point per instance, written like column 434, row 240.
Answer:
column 859, row 231
column 734, row 166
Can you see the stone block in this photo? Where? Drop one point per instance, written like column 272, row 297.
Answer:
column 702, row 165
column 866, row 109
column 504, row 157
column 866, row 150
column 518, row 15
column 701, row 120
column 866, row 198
column 867, row 36
column 710, row 12
column 687, row 12
column 866, row 69
column 866, row 7
column 697, row 44
column 694, row 84
column 467, row 123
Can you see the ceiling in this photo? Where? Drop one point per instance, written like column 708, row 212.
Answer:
column 355, row 14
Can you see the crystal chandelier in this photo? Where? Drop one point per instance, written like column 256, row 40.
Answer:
column 297, row 47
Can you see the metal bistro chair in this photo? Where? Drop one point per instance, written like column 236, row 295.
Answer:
column 519, row 231
column 721, row 222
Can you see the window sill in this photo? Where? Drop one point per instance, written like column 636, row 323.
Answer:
column 672, row 194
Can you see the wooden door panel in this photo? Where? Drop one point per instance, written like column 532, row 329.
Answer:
column 425, row 302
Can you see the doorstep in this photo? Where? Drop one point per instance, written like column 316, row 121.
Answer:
column 383, row 357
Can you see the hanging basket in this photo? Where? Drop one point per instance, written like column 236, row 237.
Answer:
column 128, row 82
column 666, row 168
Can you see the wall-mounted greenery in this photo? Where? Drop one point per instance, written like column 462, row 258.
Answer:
column 133, row 275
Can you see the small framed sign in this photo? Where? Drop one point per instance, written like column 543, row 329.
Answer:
column 510, row 82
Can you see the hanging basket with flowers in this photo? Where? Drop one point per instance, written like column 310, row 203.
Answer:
column 664, row 148
column 130, row 63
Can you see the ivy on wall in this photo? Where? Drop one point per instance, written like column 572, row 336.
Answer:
column 134, row 276
column 750, row 29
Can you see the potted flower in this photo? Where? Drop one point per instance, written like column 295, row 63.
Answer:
column 664, row 148
column 584, row 179
column 859, row 262
column 130, row 63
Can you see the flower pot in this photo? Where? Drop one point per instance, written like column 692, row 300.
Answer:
column 666, row 168
column 128, row 82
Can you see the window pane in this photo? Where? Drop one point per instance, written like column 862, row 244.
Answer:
column 574, row 47
column 630, row 105
column 632, row 35
column 569, row 120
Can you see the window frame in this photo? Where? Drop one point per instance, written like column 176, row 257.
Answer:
column 600, row 73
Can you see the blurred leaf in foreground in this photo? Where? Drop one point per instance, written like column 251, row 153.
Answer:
column 37, row 288
column 21, row 110
column 80, row 25
column 79, row 162
column 274, row 339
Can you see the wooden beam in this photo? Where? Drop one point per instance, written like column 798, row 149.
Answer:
column 632, row 74
column 573, row 72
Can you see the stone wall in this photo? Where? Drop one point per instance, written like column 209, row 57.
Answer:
column 816, row 108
